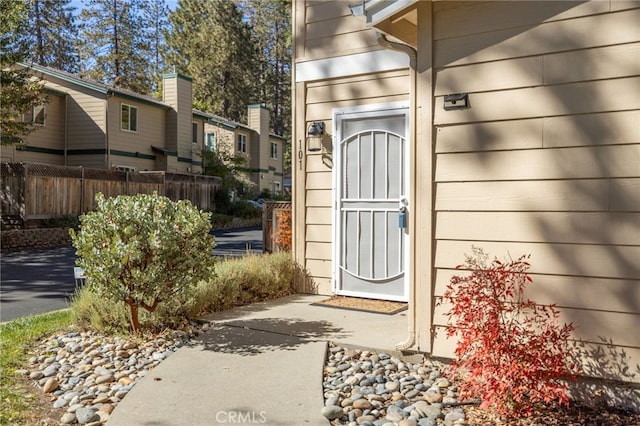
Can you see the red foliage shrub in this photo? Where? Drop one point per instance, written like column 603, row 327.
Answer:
column 283, row 235
column 511, row 352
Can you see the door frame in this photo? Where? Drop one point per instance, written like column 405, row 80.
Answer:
column 367, row 111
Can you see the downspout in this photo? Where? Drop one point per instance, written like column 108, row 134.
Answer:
column 413, row 56
column 106, row 130
column 66, row 129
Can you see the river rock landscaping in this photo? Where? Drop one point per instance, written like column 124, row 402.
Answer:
column 86, row 374
column 378, row 389
column 367, row 388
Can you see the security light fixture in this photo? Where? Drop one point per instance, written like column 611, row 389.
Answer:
column 456, row 101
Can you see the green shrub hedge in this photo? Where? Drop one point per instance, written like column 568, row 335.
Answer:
column 235, row 282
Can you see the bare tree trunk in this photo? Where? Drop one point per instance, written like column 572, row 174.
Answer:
column 135, row 321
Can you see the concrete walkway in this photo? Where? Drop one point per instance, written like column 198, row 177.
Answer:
column 259, row 364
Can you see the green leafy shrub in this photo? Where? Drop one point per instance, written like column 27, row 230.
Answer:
column 220, row 220
column 246, row 280
column 236, row 282
column 105, row 315
column 143, row 250
column 65, row 221
column 244, row 210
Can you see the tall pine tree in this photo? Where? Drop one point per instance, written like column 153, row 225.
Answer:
column 271, row 25
column 155, row 15
column 113, row 45
column 211, row 43
column 19, row 92
column 51, row 34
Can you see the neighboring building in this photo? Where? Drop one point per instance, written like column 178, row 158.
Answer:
column 90, row 124
column 511, row 126
column 263, row 152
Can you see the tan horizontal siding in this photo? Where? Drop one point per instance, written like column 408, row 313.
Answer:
column 318, row 163
column 564, row 131
column 51, row 135
column 332, row 27
column 318, row 10
column 613, row 362
column 32, row 157
column 321, row 268
column 615, row 161
column 323, row 111
column 551, row 37
column 586, row 293
column 540, row 227
column 319, row 215
column 540, row 94
column 592, row 64
column 321, row 180
column 517, row 134
column 328, row 29
column 319, row 233
column 586, row 64
column 480, row 16
column 318, row 251
column 553, row 195
column 498, row 75
column 373, row 86
column 544, row 101
column 88, row 161
column 592, row 129
column 555, row 259
column 151, row 129
column 589, row 324
column 318, row 198
column 86, row 124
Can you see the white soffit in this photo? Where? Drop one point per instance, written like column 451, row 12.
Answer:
column 359, row 63
column 377, row 11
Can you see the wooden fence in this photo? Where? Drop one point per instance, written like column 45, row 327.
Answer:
column 270, row 225
column 36, row 191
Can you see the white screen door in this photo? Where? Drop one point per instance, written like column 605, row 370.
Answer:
column 371, row 195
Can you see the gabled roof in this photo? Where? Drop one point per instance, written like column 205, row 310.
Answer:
column 229, row 124
column 95, row 85
column 216, row 119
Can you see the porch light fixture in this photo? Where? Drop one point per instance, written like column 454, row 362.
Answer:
column 315, row 131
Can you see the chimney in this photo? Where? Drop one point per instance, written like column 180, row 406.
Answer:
column 258, row 120
column 177, row 93
column 258, row 116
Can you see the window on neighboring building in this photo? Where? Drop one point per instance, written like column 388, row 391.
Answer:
column 129, row 118
column 276, row 187
column 274, row 150
column 39, row 115
column 242, row 143
column 194, row 132
column 36, row 116
column 210, row 142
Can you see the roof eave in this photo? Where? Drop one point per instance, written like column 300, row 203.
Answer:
column 377, row 11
